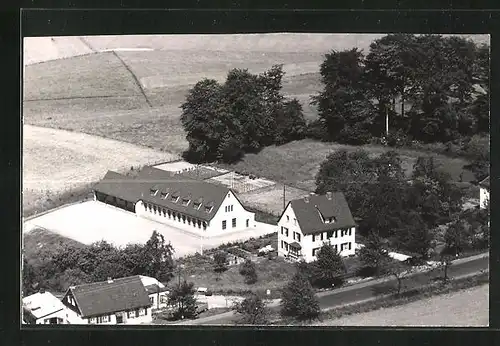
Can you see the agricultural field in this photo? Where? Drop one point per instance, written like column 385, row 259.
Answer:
column 468, row 308
column 56, row 161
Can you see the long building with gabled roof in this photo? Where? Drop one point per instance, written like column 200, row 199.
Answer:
column 176, row 200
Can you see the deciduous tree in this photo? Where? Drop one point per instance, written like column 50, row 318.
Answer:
column 220, row 261
column 374, row 254
column 329, row 268
column 182, row 296
column 248, row 270
column 298, row 300
column 252, row 310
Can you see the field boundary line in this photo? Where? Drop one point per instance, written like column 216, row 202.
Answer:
column 135, row 79
column 80, row 98
column 31, row 217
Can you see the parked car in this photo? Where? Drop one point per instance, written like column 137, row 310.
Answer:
column 204, row 291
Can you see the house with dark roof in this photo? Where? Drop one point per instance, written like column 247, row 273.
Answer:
column 484, row 192
column 190, row 204
column 118, row 301
column 309, row 222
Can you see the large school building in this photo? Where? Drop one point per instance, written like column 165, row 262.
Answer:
column 175, row 200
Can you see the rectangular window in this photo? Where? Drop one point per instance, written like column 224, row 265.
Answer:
column 208, row 209
column 314, row 238
column 329, row 234
column 175, row 198
column 185, row 202
column 322, row 236
column 234, row 223
column 282, row 246
column 105, row 318
column 315, row 251
column 336, row 248
column 130, row 314
column 232, row 207
column 286, row 246
column 350, row 231
column 224, row 224
column 282, row 229
column 92, row 320
column 248, row 223
column 336, row 233
column 349, row 246
column 286, row 231
column 153, row 192
column 196, row 205
column 294, row 235
column 151, row 299
column 163, row 299
column 298, row 237
column 287, row 218
column 142, row 312
column 225, row 208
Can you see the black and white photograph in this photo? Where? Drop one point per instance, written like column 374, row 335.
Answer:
column 271, row 179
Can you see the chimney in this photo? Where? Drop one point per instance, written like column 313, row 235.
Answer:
column 110, row 280
column 42, row 290
column 306, row 199
column 329, row 195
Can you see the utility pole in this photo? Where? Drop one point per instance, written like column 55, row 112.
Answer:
column 386, row 121
column 284, row 206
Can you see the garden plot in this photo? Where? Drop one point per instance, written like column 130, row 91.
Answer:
column 271, row 200
column 241, row 183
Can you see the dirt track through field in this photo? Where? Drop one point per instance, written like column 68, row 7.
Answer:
column 468, row 308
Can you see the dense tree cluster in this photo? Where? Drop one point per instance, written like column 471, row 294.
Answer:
column 385, row 202
column 248, row 270
column 245, row 114
column 431, row 88
column 69, row 265
column 182, row 297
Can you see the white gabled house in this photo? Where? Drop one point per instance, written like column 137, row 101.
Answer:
column 44, row 308
column 309, row 222
column 181, row 202
column 484, row 192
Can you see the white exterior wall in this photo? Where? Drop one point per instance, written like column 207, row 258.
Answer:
column 238, row 212
column 484, row 196
column 292, row 224
column 75, row 318
column 214, row 227
column 307, row 241
column 157, row 303
column 60, row 314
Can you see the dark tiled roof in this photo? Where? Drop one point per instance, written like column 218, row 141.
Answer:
column 308, row 214
column 485, row 183
column 119, row 185
column 139, row 188
column 155, row 289
column 196, row 191
column 101, row 298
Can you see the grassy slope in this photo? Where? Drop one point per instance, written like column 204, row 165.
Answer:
column 298, row 162
column 38, row 241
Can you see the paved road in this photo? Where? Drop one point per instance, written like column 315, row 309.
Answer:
column 371, row 289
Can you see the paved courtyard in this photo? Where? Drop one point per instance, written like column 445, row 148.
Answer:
column 92, row 221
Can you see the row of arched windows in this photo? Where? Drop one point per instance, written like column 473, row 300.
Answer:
column 176, row 216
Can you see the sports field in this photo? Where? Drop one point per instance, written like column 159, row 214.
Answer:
column 92, row 221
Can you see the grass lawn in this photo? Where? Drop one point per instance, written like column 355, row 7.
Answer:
column 39, row 241
column 297, row 163
column 272, row 274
